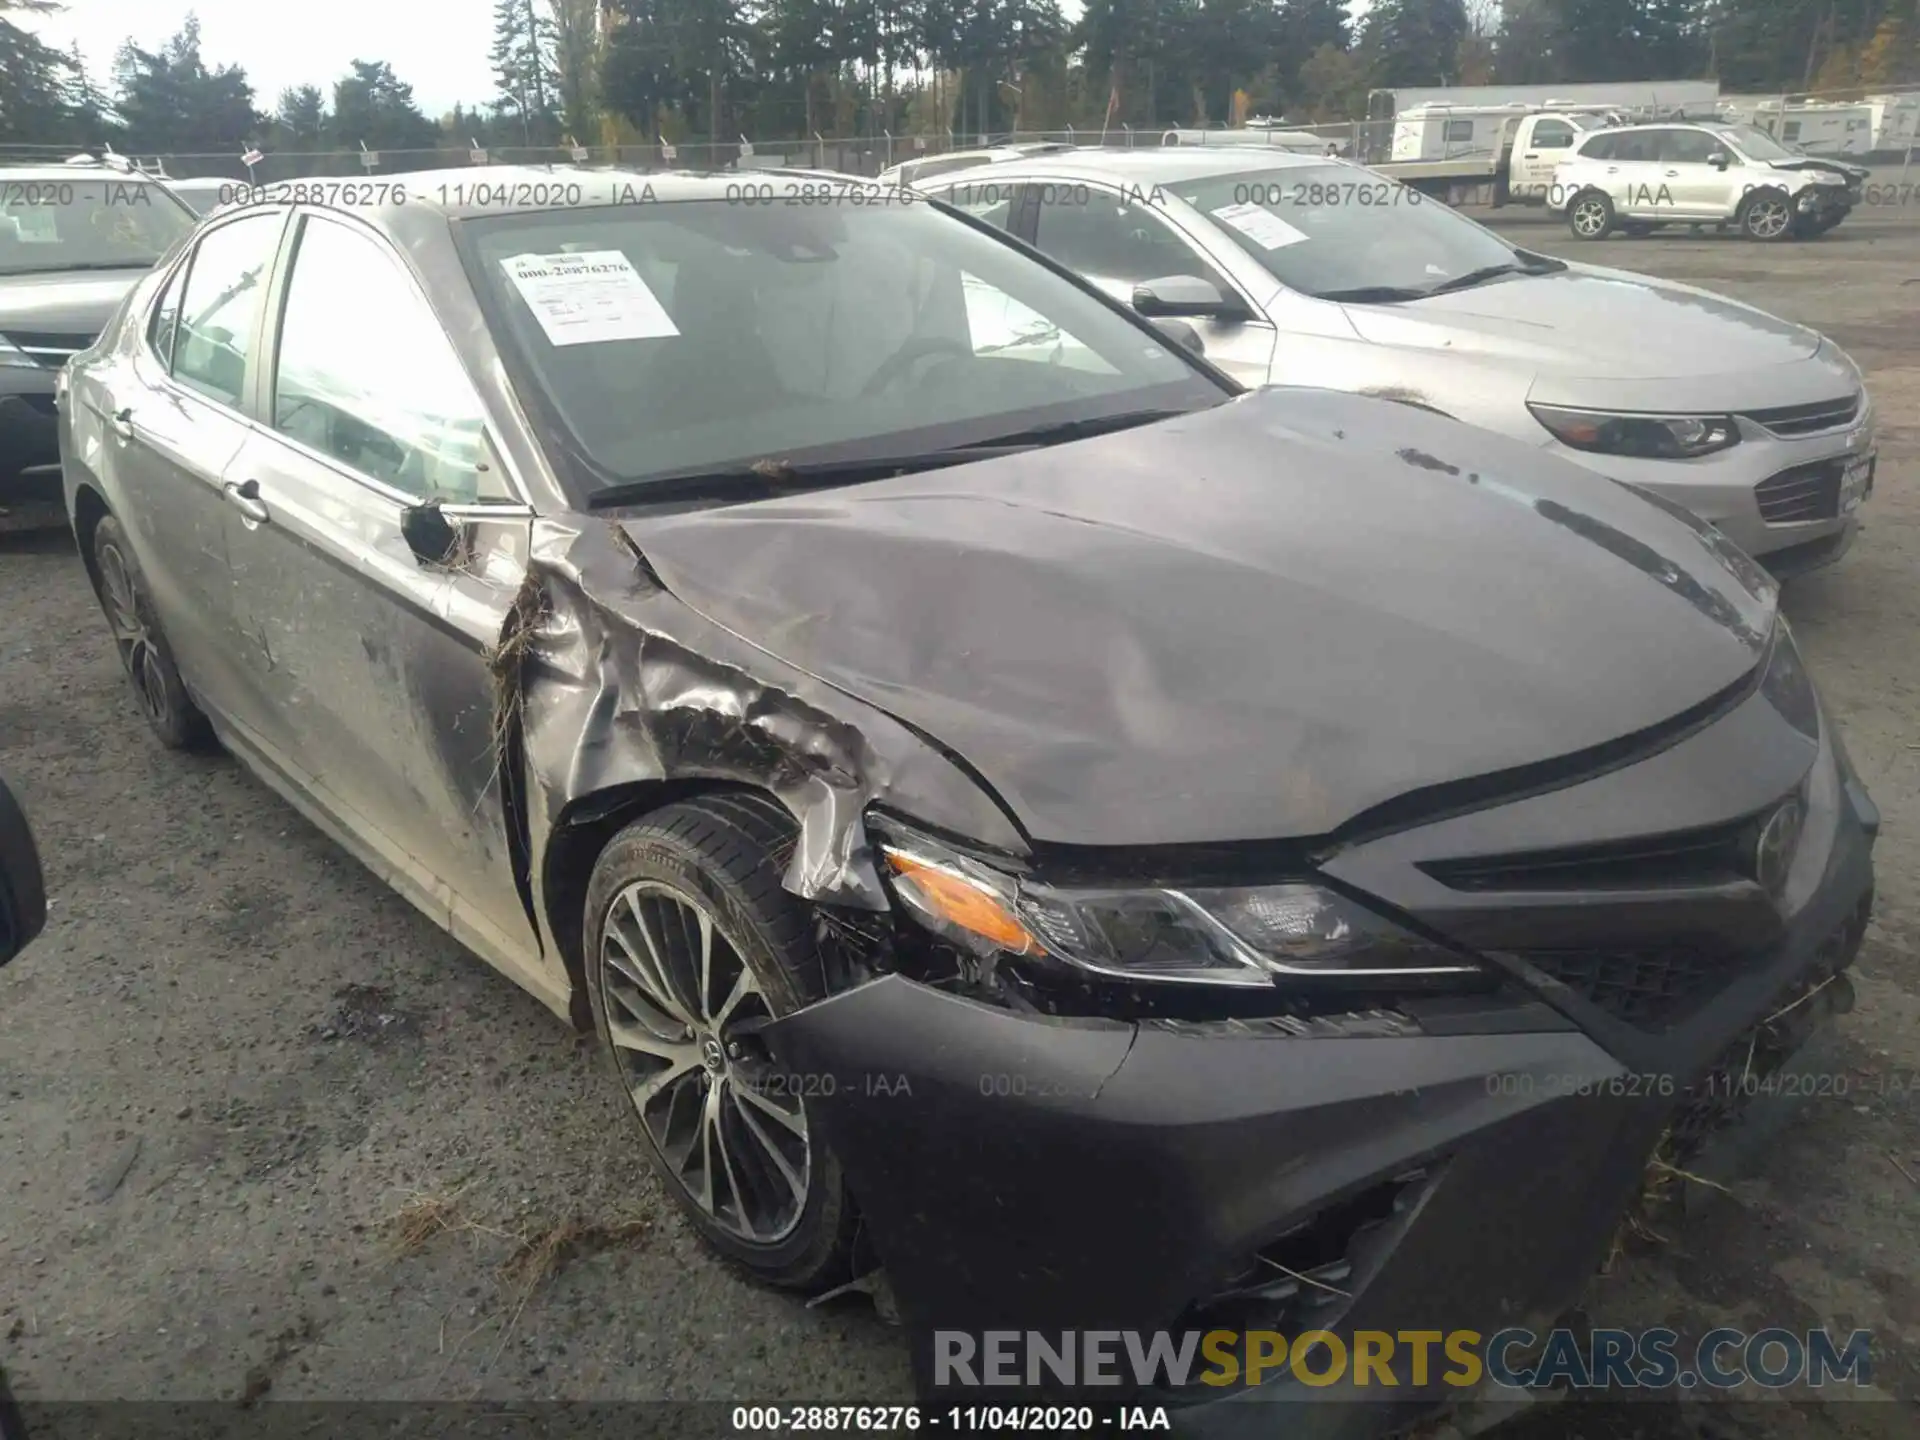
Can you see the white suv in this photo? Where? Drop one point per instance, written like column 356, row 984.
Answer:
column 1640, row 177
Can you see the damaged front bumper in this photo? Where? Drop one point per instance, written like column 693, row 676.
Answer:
column 1451, row 1165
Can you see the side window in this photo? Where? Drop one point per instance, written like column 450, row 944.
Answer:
column 1552, row 135
column 1458, row 131
column 165, row 320
column 1637, row 145
column 1686, row 147
column 1790, row 131
column 1119, row 242
column 365, row 375
column 1600, row 147
column 221, row 304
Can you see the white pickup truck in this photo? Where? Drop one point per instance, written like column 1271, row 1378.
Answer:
column 1515, row 167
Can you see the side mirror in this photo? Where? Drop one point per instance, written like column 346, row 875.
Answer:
column 23, row 895
column 1182, row 334
column 1180, row 296
column 1720, row 160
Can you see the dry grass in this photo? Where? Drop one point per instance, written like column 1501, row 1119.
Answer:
column 535, row 1253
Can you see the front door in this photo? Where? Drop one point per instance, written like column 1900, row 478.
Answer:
column 383, row 698
column 1117, row 239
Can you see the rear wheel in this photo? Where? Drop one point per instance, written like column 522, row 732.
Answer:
column 692, row 948
column 157, row 687
column 1766, row 215
column 1590, row 216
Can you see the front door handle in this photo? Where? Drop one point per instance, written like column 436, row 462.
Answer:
column 244, row 496
column 122, row 423
column 1673, row 174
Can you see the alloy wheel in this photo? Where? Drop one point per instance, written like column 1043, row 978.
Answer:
column 121, row 600
column 683, row 1012
column 1589, row 218
column 1768, row 219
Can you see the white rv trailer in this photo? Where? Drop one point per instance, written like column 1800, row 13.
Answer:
column 1896, row 120
column 1294, row 142
column 1456, row 132
column 1818, row 127
column 1656, row 96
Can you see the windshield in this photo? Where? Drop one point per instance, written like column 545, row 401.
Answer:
column 695, row 336
column 1756, row 144
column 86, row 224
column 1328, row 229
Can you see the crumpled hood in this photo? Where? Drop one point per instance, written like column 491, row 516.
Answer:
column 1253, row 622
column 1836, row 171
column 76, row 303
column 1590, row 322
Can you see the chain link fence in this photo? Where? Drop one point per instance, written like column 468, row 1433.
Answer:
column 865, row 155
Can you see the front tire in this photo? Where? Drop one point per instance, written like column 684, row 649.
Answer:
column 692, row 947
column 1590, row 216
column 144, row 654
column 1766, row 216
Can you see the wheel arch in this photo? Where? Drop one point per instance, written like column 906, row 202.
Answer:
column 574, row 842
column 89, row 509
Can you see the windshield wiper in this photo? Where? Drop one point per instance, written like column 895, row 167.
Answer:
column 1063, row 431
column 772, row 479
column 1372, row 295
column 71, row 266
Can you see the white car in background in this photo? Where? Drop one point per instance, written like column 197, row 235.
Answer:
column 1296, row 270
column 914, row 172
column 1640, row 177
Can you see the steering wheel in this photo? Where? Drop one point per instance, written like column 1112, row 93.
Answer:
column 920, row 347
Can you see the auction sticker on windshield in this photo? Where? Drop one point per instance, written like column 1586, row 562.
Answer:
column 1264, row 228
column 588, row 298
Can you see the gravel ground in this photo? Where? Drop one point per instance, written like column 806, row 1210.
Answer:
column 235, row 1057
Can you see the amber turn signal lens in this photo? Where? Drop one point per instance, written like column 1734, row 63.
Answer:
column 961, row 903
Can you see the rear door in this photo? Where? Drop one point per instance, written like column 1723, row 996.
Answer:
column 173, row 419
column 1634, row 179
column 381, row 703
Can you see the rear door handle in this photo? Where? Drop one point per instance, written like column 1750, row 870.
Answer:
column 122, row 422
column 244, row 496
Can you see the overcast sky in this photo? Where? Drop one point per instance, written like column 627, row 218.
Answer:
column 437, row 46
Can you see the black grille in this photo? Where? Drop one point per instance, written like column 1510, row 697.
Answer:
column 47, row 347
column 1808, row 419
column 1692, row 857
column 1806, row 492
column 1651, row 989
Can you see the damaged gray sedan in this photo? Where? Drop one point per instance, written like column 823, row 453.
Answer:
column 1115, row 850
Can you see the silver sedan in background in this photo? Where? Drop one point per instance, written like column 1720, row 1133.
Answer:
column 1303, row 270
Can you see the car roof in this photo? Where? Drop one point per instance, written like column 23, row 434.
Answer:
column 40, row 171
column 1166, row 165
column 398, row 203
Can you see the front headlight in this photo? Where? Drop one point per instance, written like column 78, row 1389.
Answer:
column 1285, row 934
column 1649, row 437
